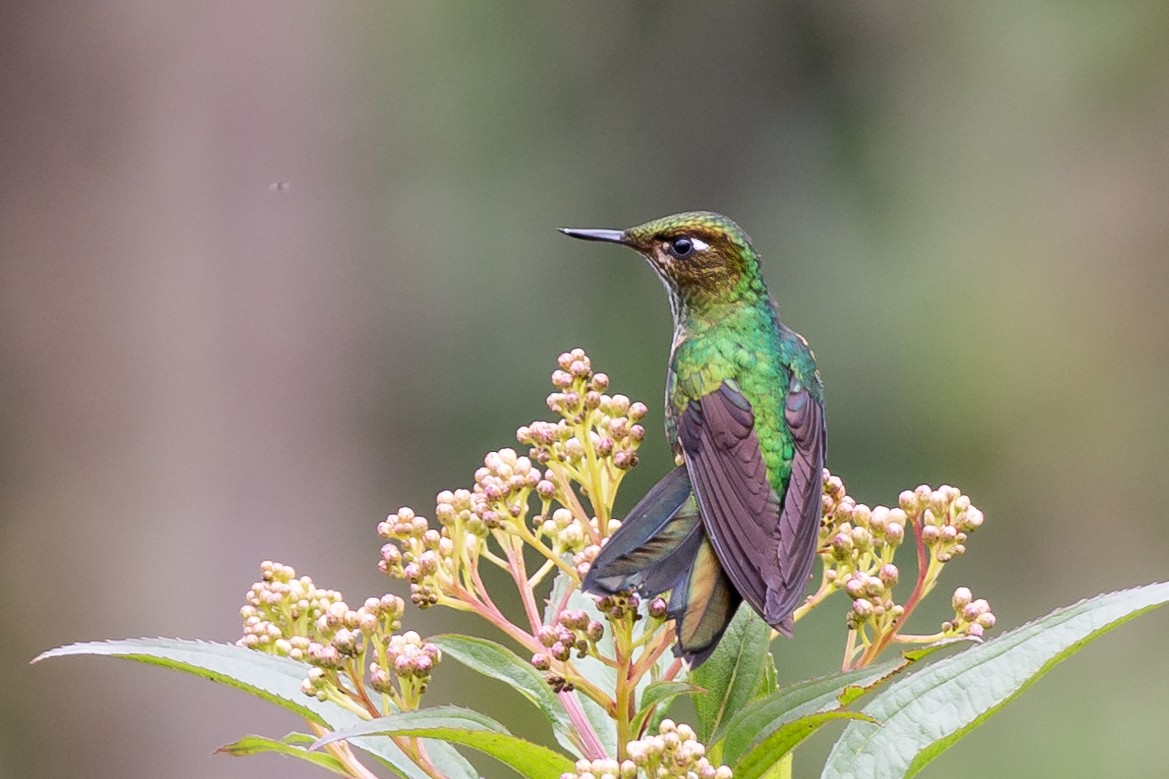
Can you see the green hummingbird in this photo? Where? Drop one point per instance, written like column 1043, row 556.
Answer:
column 738, row 518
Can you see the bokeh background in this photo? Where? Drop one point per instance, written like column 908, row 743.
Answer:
column 963, row 209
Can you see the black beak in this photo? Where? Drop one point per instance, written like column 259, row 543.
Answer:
column 608, row 236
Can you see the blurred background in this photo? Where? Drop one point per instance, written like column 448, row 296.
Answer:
column 270, row 270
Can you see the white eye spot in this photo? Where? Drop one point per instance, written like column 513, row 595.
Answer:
column 699, row 245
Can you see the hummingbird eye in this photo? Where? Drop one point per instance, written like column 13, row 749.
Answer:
column 681, row 247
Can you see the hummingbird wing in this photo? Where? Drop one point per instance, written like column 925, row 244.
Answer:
column 799, row 521
column 655, row 543
column 765, row 543
column 662, row 546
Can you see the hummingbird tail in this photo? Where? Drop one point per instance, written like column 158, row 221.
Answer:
column 702, row 604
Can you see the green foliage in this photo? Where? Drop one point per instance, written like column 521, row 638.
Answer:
column 658, row 694
column 293, row 745
column 498, row 662
column 782, row 740
column 732, row 674
column 464, row 726
column 924, row 714
column 758, row 720
column 274, row 679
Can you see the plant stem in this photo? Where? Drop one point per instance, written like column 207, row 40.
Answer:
column 535, row 579
column 519, row 574
column 564, row 488
column 356, row 676
column 927, row 574
column 903, row 638
column 555, row 559
column 623, row 704
column 341, row 751
column 650, row 656
column 825, row 590
column 489, row 611
column 416, row 752
column 849, row 651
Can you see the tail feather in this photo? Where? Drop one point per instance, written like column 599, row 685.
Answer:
column 702, row 604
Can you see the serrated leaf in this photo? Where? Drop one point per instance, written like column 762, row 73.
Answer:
column 275, row 679
column 256, row 745
column 469, row 728
column 658, row 693
column 923, row 714
column 784, row 739
column 762, row 717
column 731, row 675
column 498, row 662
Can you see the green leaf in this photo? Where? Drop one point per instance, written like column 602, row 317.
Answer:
column 498, row 662
column 732, row 674
column 925, row 713
column 255, row 745
column 769, row 681
column 784, row 739
column 660, row 692
column 275, row 679
column 759, row 719
column 470, row 728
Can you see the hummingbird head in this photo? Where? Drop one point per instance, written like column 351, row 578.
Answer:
column 702, row 257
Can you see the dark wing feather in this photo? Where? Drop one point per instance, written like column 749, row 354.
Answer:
column 766, row 550
column 655, row 543
column 799, row 523
column 739, row 508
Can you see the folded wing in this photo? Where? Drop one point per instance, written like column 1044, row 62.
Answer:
column 765, row 543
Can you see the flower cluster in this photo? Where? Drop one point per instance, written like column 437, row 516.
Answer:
column 595, row 440
column 281, row 612
column 675, row 753
column 417, row 553
column 564, row 531
column 554, row 504
column 573, row 629
column 971, row 617
column 946, row 518
column 292, row 617
column 858, row 545
column 403, row 668
column 502, row 487
column 588, row 449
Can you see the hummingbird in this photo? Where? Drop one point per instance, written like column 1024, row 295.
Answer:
column 738, row 518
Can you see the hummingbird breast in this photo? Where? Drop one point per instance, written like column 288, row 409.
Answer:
column 748, row 347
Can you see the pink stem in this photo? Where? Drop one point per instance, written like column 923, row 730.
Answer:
column 590, row 742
